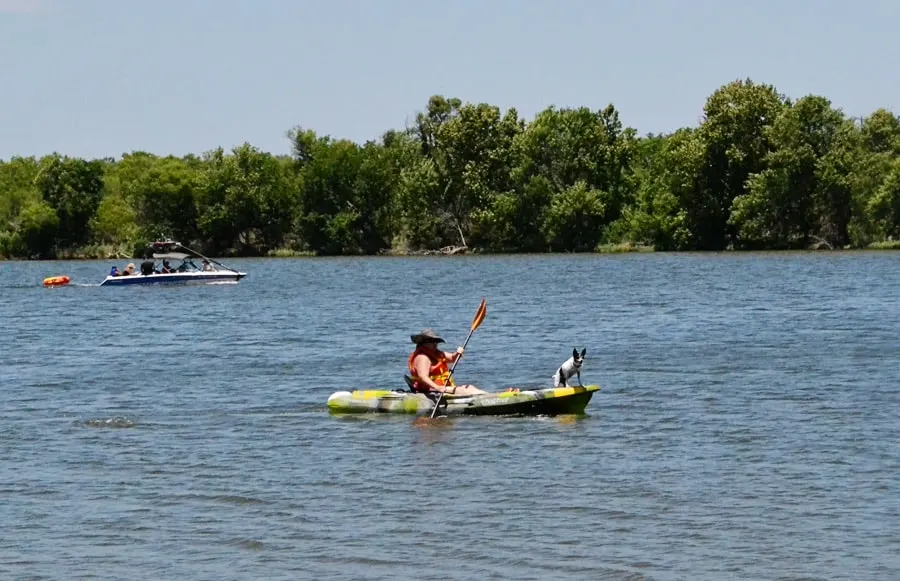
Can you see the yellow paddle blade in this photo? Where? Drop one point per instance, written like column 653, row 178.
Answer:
column 479, row 316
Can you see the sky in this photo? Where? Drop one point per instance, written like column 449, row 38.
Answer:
column 99, row 78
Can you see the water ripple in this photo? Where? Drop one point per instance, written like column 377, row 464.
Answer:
column 746, row 428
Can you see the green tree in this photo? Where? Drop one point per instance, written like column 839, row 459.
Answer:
column 470, row 149
column 73, row 187
column 571, row 145
column 568, row 146
column 735, row 143
column 880, row 132
column 574, row 218
column 162, row 192
column 802, row 192
column 664, row 168
column 37, row 230
column 330, row 212
column 878, row 146
column 514, row 221
column 417, row 198
column 245, row 201
column 17, row 188
column 114, row 222
column 884, row 207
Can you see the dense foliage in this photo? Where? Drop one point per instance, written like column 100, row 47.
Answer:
column 761, row 171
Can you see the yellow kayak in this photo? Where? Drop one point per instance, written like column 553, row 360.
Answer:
column 513, row 401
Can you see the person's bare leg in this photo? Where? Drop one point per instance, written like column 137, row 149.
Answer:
column 466, row 390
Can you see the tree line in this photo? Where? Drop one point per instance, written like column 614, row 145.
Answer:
column 760, row 171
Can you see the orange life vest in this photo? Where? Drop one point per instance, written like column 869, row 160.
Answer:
column 439, row 372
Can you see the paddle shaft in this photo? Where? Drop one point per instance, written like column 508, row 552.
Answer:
column 452, row 368
column 455, row 361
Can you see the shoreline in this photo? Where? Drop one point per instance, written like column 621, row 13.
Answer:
column 605, row 250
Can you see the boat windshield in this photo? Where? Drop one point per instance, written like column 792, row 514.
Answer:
column 187, row 266
column 176, row 261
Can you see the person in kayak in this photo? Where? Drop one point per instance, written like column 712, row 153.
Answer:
column 429, row 366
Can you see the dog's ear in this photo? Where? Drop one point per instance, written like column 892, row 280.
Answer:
column 583, row 351
column 574, row 353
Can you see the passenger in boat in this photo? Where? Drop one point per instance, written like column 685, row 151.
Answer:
column 429, row 366
column 129, row 270
column 207, row 267
column 166, row 269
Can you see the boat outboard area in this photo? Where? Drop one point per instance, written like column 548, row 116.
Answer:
column 173, row 263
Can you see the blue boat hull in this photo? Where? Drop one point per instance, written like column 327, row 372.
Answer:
column 176, row 278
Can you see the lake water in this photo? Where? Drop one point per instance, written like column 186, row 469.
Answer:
column 747, row 426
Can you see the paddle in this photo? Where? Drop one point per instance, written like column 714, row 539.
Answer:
column 476, row 322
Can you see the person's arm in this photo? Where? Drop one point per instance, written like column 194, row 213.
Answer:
column 423, row 367
column 453, row 356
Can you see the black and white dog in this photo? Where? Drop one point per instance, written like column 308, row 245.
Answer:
column 572, row 366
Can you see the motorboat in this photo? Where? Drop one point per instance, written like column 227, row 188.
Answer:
column 173, row 263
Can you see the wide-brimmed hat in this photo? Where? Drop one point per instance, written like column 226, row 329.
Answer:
column 425, row 336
